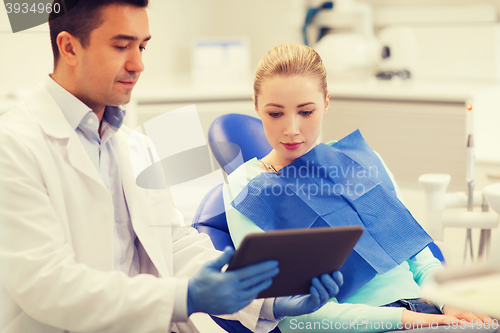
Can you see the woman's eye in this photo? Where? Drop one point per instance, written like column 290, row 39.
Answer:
column 121, row 47
column 306, row 113
column 275, row 114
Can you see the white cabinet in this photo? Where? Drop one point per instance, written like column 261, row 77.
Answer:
column 413, row 137
column 207, row 110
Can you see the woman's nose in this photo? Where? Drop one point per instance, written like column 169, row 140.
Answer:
column 292, row 127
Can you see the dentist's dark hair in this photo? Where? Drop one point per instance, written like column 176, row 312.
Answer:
column 80, row 18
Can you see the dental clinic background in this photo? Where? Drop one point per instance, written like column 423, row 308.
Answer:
column 402, row 71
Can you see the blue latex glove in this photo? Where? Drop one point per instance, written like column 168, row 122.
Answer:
column 214, row 292
column 320, row 293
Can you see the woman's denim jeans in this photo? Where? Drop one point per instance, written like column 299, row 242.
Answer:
column 416, row 305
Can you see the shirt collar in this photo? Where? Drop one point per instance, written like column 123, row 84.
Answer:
column 75, row 110
column 114, row 115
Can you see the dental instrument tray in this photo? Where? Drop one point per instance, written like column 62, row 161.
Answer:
column 302, row 254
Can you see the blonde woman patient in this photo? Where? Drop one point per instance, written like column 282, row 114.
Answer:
column 291, row 98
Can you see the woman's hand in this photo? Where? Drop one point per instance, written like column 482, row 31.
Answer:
column 321, row 291
column 469, row 316
column 412, row 320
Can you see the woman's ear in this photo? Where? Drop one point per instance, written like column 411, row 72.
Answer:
column 327, row 102
column 256, row 110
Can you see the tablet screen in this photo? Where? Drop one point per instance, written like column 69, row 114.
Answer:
column 302, row 254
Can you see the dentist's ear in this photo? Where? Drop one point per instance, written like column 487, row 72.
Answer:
column 69, row 47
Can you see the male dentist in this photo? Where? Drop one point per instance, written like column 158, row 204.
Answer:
column 80, row 246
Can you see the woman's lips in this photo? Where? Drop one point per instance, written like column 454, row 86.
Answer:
column 291, row 145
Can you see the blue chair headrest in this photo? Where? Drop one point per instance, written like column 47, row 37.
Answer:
column 234, row 135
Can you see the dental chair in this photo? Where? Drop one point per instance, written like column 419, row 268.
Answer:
column 210, row 218
column 246, row 137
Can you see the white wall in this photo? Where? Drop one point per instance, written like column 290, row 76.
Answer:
column 26, row 57
column 176, row 24
column 378, row 3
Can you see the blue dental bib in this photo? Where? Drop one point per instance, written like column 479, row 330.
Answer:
column 340, row 185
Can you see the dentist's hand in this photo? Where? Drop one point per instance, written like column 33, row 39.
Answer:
column 320, row 293
column 214, row 292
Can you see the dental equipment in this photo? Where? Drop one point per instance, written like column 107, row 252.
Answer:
column 470, row 183
column 438, row 201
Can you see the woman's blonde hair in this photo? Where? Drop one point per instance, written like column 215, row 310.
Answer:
column 289, row 60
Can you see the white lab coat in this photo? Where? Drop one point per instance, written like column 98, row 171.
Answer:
column 56, row 236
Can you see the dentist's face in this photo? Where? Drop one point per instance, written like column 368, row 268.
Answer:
column 292, row 109
column 109, row 67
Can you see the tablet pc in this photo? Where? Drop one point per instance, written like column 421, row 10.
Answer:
column 302, row 254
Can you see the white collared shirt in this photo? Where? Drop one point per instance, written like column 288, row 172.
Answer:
column 102, row 153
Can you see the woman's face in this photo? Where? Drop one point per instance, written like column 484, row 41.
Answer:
column 291, row 109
